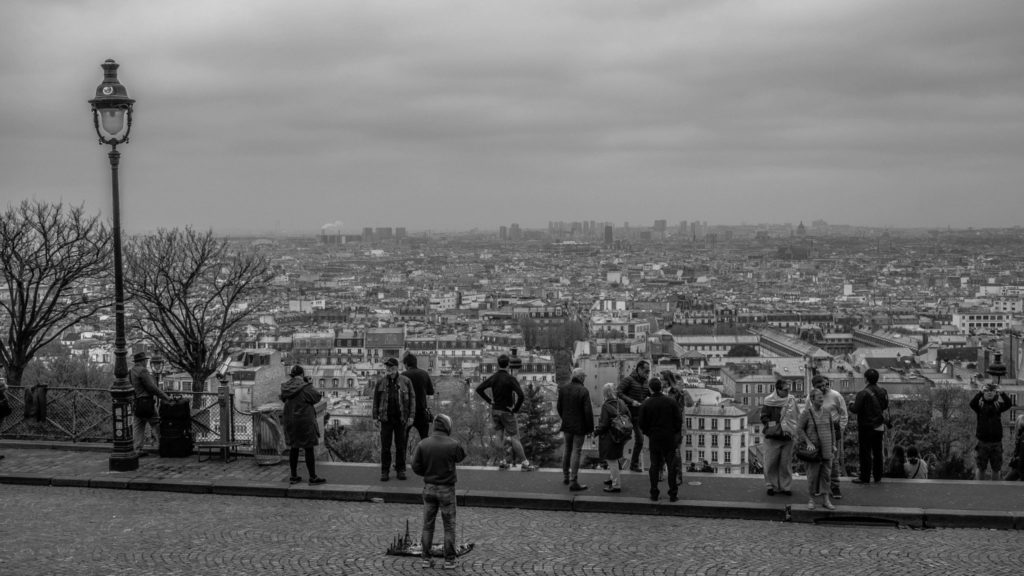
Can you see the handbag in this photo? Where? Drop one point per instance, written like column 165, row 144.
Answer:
column 145, row 407
column 775, row 432
column 806, row 453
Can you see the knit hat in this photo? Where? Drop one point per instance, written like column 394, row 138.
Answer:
column 443, row 423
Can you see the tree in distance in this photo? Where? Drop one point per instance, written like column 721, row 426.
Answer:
column 190, row 291
column 54, row 261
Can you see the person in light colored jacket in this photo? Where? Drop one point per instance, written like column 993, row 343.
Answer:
column 835, row 405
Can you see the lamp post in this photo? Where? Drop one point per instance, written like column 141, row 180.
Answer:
column 112, row 118
column 997, row 369
column 515, row 363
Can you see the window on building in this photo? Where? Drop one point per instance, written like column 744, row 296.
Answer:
column 714, row 456
column 700, row 454
column 714, row 423
column 700, row 440
column 728, row 424
column 728, row 441
column 689, row 440
column 728, row 458
column 714, row 440
column 700, row 423
column 689, row 455
column 744, row 400
column 728, row 470
column 689, row 423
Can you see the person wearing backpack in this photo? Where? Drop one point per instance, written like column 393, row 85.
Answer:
column 614, row 429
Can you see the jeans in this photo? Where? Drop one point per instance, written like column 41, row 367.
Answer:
column 438, row 497
column 664, row 454
column 638, row 440
column 869, row 446
column 571, row 451
column 392, row 431
column 837, row 461
column 819, row 476
column 139, row 430
column 613, row 472
column 293, row 461
column 778, row 462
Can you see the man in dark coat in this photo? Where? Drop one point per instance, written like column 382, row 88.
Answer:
column 144, row 387
column 662, row 422
column 633, row 391
column 422, row 388
column 435, row 459
column 394, row 406
column 869, row 406
column 577, row 423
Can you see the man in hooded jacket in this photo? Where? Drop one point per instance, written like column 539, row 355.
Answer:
column 633, row 391
column 434, row 459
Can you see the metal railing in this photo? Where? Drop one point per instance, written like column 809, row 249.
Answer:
column 76, row 414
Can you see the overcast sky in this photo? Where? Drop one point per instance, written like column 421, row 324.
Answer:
column 450, row 115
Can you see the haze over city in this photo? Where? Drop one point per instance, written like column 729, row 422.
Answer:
column 264, row 116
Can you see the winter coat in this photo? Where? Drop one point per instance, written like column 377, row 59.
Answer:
column 870, row 405
column 661, row 421
column 574, row 408
column 422, row 386
column 436, row 455
column 406, row 398
column 608, row 449
column 631, row 389
column 816, row 427
column 990, row 416
column 781, row 410
column 299, row 416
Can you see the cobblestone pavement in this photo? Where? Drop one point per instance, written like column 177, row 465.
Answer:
column 76, row 531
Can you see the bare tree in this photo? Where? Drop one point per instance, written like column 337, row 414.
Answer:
column 54, row 261
column 191, row 291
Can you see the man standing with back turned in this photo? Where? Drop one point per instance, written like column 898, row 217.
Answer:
column 506, row 398
column 435, row 459
column 633, row 391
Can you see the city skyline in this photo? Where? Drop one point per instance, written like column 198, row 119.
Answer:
column 263, row 117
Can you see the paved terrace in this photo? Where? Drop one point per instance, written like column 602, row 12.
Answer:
column 910, row 503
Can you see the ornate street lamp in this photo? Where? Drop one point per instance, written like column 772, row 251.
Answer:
column 112, row 117
column 997, row 369
column 515, row 363
column 156, row 366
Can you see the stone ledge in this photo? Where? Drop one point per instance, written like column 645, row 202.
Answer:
column 25, row 478
column 79, row 481
column 344, row 492
column 913, row 517
column 396, row 494
column 989, row 519
column 110, row 482
column 245, row 488
column 722, row 509
column 616, row 505
column 171, row 485
column 525, row 500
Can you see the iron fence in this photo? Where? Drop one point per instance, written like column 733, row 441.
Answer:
column 76, row 414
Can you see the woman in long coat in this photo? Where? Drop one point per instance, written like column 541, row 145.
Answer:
column 299, row 418
column 607, row 449
column 815, row 428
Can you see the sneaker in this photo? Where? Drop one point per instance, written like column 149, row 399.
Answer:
column 606, row 482
column 829, row 505
column 450, row 565
column 810, row 504
column 503, row 465
column 614, row 489
column 295, row 479
column 771, row 491
column 427, row 563
column 317, row 480
column 577, row 487
column 384, row 477
column 527, row 467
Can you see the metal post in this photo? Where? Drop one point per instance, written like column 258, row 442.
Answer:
column 123, row 457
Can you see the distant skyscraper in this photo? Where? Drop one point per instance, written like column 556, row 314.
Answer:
column 515, row 234
column 660, row 225
column 608, row 237
column 400, row 232
column 503, row 233
column 367, row 234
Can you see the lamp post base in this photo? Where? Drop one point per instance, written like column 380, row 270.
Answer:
column 121, row 462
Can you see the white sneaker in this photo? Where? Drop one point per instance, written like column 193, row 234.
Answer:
column 810, row 504
column 527, row 467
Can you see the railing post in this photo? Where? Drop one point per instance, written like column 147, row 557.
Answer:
column 224, row 400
